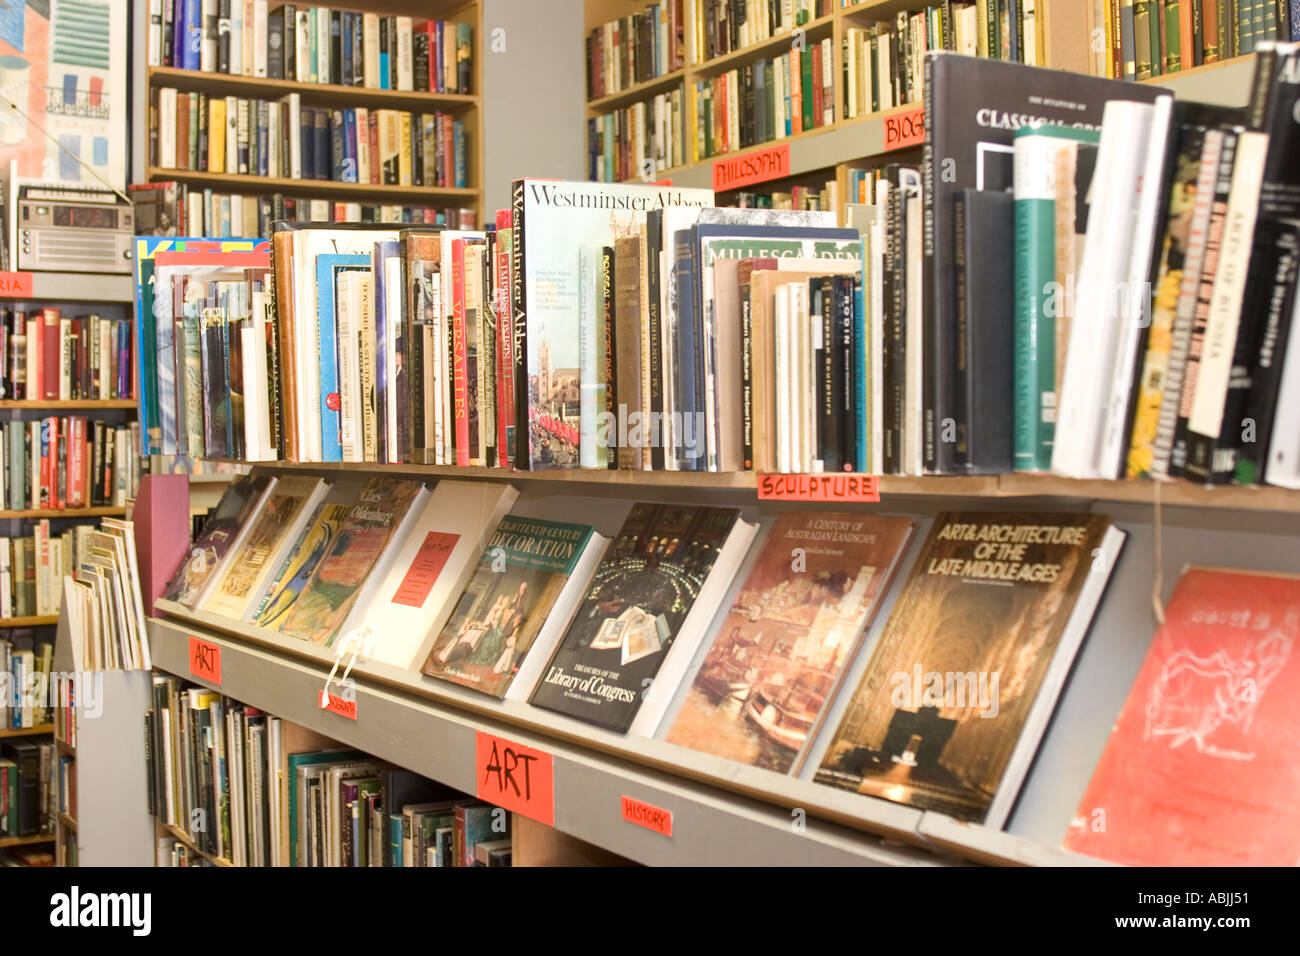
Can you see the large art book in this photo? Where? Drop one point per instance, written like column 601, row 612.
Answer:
column 963, row 680
column 221, row 535
column 1200, row 766
column 553, row 221
column 761, row 692
column 529, row 573
column 640, row 597
column 973, row 107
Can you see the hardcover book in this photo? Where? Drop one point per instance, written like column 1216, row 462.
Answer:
column 221, row 534
column 518, row 584
column 962, row 682
column 641, row 594
column 761, row 691
column 1200, row 766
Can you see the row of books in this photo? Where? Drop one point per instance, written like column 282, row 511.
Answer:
column 745, row 635
column 45, row 355
column 726, row 26
column 634, row 49
column 233, row 778
column 283, row 139
column 28, row 791
column 1146, row 38
column 311, row 45
column 176, row 209
column 32, row 568
column 102, row 602
column 67, row 462
column 25, row 663
column 800, row 197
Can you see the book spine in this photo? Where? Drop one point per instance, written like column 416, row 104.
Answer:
column 460, row 370
column 1035, row 269
column 523, row 438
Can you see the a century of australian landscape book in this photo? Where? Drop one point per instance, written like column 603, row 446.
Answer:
column 642, row 591
column 949, row 688
column 780, row 654
column 518, row 581
column 553, row 222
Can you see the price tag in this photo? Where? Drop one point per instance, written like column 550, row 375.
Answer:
column 16, row 285
column 516, row 777
column 648, row 815
column 849, row 488
column 758, row 167
column 905, row 129
column 338, row 705
column 205, row 660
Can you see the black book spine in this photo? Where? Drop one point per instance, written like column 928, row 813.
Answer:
column 894, row 291
column 1198, row 33
column 321, row 146
column 202, row 156
column 654, row 242
column 611, row 365
column 846, row 379
column 420, row 59
column 289, row 17
column 168, row 26
column 223, row 36
column 336, row 47
column 417, row 153
column 275, row 45
column 747, row 375
column 822, row 315
column 359, row 50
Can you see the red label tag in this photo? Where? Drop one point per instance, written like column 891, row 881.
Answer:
column 905, row 129
column 205, row 660
column 736, row 171
column 648, row 815
column 516, row 777
column 848, row 487
column 425, row 568
column 16, row 285
column 337, row 705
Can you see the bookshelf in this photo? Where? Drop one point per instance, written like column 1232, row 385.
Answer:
column 466, row 108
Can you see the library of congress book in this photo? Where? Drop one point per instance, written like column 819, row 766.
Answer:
column 960, row 687
column 761, row 692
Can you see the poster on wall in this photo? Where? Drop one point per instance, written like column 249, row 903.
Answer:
column 63, row 71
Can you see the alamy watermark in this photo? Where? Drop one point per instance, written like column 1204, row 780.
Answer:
column 54, row 690
column 917, row 688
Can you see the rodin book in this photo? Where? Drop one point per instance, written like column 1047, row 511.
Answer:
column 965, row 675
column 221, row 535
column 1200, row 766
column 761, row 691
column 648, row 585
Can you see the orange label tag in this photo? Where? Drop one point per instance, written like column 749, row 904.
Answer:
column 648, row 815
column 846, row 487
column 16, row 285
column 205, row 660
column 905, row 129
column 734, row 172
column 338, row 705
column 516, row 777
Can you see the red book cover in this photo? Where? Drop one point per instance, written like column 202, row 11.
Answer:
column 460, row 377
column 817, row 83
column 51, row 353
column 76, row 462
column 46, row 500
column 376, row 174
column 431, row 30
column 1201, row 766
column 449, row 150
column 505, row 345
column 35, row 357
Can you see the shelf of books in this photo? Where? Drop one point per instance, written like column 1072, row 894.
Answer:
column 312, row 113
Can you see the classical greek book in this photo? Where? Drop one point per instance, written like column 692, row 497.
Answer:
column 961, row 684
column 222, row 535
column 529, row 580
column 777, row 660
column 1199, row 769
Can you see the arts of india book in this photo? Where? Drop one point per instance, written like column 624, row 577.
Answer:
column 528, row 582
column 780, row 653
column 277, row 526
column 333, row 588
column 1200, row 768
column 964, row 677
column 221, row 536
column 651, row 600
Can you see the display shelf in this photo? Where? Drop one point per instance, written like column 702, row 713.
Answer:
column 184, row 838
column 981, row 844
column 37, row 730
column 328, row 94
column 721, row 811
column 96, row 512
column 41, row 620
column 91, row 404
column 27, row 840
column 317, row 188
column 70, row 287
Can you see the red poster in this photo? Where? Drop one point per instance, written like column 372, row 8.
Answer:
column 905, row 129
column 1200, row 769
column 828, row 487
column 516, row 777
column 424, row 570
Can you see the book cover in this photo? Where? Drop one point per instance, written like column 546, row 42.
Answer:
column 329, row 594
column 297, row 568
column 638, row 599
column 328, row 268
column 952, row 682
column 519, row 577
column 782, row 649
column 241, row 501
column 1199, row 769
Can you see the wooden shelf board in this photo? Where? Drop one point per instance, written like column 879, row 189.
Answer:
column 38, row 730
column 65, row 748
column 67, row 820
column 27, row 841
column 184, row 838
column 89, row 403
column 42, row 620
column 631, row 94
column 311, row 93
column 1230, row 63
column 98, row 512
column 317, row 188
column 813, row 31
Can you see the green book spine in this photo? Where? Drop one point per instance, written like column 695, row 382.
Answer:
column 806, row 85
column 1142, row 37
column 1173, row 40
column 1035, row 348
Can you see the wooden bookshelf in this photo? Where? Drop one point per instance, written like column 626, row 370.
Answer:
column 65, row 749
column 183, row 837
column 316, row 188
column 35, row 731
column 90, row 404
column 41, row 620
column 27, row 840
column 66, row 821
column 96, row 512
